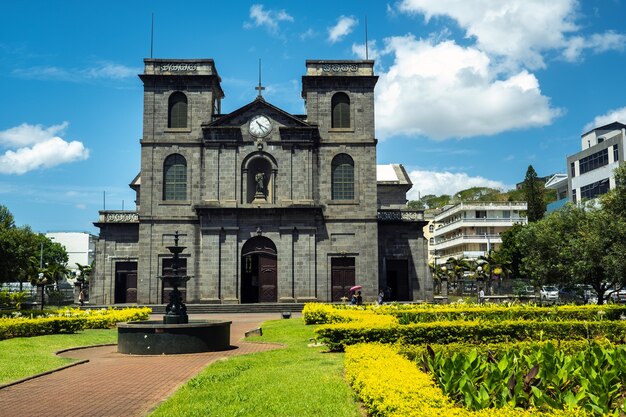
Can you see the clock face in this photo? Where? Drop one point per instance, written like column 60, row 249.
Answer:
column 260, row 126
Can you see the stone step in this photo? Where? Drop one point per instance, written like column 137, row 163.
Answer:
column 224, row 308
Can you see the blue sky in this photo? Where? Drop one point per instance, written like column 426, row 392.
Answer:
column 470, row 92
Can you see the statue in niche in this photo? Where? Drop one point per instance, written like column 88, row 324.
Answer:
column 259, row 179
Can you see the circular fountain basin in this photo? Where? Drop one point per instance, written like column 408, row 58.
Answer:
column 152, row 337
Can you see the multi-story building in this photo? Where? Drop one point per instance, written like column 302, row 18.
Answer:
column 590, row 171
column 80, row 247
column 558, row 182
column 470, row 230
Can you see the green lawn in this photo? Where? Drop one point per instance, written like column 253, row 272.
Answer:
column 295, row 381
column 26, row 356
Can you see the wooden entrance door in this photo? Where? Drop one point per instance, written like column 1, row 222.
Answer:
column 259, row 272
column 398, row 279
column 125, row 282
column 342, row 277
column 267, row 279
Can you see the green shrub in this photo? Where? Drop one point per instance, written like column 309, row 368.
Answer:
column 68, row 321
column 539, row 377
column 40, row 326
column 389, row 385
column 339, row 335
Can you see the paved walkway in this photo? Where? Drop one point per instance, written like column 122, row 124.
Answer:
column 116, row 385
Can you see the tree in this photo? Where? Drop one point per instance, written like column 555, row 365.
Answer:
column 416, row 205
column 478, row 194
column 22, row 250
column 533, row 190
column 432, row 201
column 509, row 253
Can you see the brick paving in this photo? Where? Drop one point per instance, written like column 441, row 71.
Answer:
column 116, row 385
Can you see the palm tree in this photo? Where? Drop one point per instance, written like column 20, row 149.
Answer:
column 85, row 273
column 56, row 272
column 456, row 270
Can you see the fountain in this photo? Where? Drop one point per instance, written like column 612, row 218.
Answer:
column 175, row 334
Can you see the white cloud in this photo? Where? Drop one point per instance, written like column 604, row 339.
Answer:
column 345, row 25
column 111, row 71
column 308, row 34
column 25, row 134
column 445, row 90
column 372, row 50
column 615, row 115
column 105, row 70
column 34, row 147
column 520, row 31
column 439, row 183
column 597, row 43
column 266, row 18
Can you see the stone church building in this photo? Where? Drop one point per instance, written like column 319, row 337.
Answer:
column 270, row 206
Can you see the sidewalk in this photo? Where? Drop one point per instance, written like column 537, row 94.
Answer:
column 117, row 385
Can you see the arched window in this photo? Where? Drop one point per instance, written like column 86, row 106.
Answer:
column 177, row 110
column 343, row 177
column 175, row 178
column 340, row 104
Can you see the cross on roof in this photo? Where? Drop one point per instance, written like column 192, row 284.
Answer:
column 259, row 88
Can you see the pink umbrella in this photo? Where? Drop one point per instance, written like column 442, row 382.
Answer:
column 356, row 287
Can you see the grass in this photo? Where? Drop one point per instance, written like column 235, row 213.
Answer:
column 295, row 381
column 26, row 356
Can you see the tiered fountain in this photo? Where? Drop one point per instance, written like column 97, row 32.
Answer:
column 175, row 334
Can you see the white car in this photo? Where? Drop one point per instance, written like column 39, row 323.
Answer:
column 549, row 293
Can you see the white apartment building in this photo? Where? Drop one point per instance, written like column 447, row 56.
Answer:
column 590, row 171
column 80, row 247
column 470, row 230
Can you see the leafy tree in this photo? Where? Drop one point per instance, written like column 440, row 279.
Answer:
column 416, row 205
column 544, row 246
column 433, row 201
column 22, row 251
column 510, row 253
column 478, row 194
column 533, row 190
column 6, row 219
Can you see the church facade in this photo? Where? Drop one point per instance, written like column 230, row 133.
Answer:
column 270, row 206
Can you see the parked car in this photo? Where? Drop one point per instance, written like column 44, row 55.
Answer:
column 619, row 296
column 579, row 294
column 549, row 294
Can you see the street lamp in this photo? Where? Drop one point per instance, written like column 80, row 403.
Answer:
column 41, row 283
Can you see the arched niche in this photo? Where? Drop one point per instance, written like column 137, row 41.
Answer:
column 258, row 179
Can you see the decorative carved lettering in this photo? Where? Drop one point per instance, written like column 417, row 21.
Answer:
column 340, row 68
column 178, row 67
column 122, row 218
column 404, row 216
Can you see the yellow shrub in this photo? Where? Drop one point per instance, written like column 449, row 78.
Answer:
column 392, row 386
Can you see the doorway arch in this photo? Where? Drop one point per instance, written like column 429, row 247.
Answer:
column 258, row 271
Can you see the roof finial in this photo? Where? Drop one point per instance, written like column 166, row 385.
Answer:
column 260, row 87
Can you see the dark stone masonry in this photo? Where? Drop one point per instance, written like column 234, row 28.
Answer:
column 271, row 206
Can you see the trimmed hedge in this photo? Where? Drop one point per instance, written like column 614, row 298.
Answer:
column 516, row 312
column 318, row 313
column 337, row 336
column 40, row 326
column 68, row 321
column 417, row 352
column 392, row 386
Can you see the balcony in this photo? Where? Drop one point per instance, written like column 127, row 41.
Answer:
column 118, row 216
column 479, row 222
column 402, row 216
column 458, row 240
